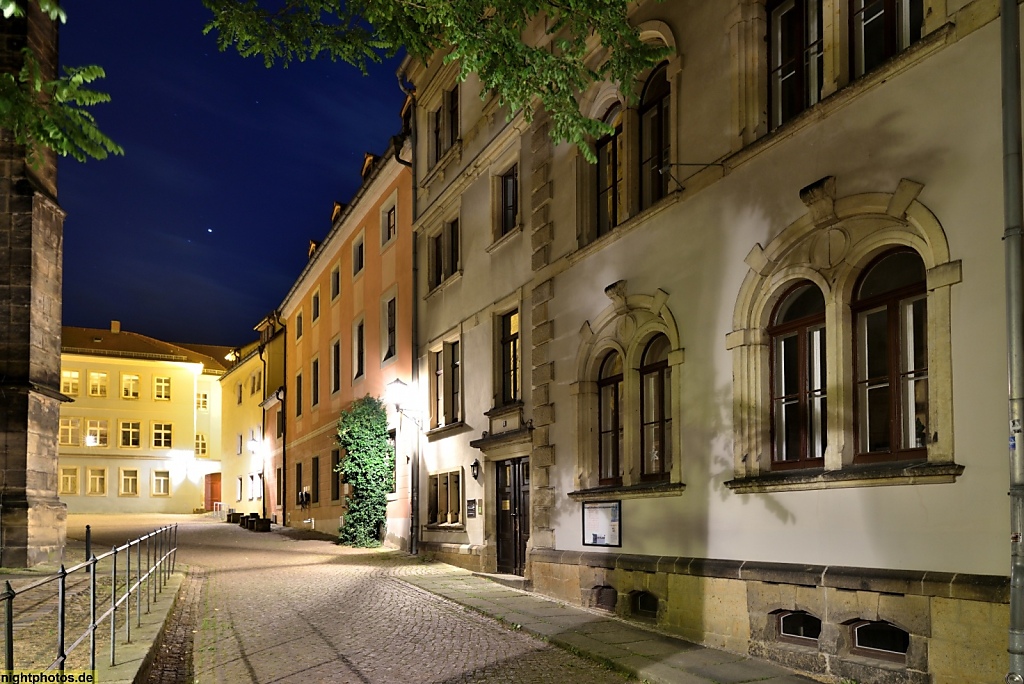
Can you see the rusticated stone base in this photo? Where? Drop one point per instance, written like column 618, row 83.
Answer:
column 32, row 532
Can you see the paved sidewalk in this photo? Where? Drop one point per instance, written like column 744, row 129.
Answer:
column 644, row 653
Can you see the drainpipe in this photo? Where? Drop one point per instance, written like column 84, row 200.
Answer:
column 414, row 469
column 1013, row 190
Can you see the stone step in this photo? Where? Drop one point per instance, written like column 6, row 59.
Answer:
column 513, row 581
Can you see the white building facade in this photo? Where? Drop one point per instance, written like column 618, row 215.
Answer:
column 759, row 348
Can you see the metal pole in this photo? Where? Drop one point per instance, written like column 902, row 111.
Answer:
column 113, row 606
column 9, row 627
column 149, row 572
column 62, row 579
column 88, row 542
column 1013, row 213
column 92, row 613
column 138, row 589
column 128, row 593
column 174, row 557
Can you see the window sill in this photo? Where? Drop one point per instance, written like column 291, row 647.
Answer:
column 445, row 527
column 504, row 239
column 433, row 433
column 436, row 172
column 444, row 284
column 874, row 475
column 637, row 491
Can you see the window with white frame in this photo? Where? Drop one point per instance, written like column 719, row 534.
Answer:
column 97, row 481
column 612, row 206
column 335, row 282
column 389, row 224
column 335, row 366
column 444, row 502
column 97, row 384
column 508, row 358
column 202, row 401
column 202, row 448
column 131, row 434
column 70, row 431
column 389, row 332
column 129, row 482
column 162, row 388
column 872, row 328
column 655, row 137
column 238, row 488
column 358, row 349
column 129, row 386
column 796, row 57
column 507, row 196
column 314, row 306
column 443, row 125
column 69, row 382
column 96, row 432
column 314, row 382
column 161, row 483
column 69, row 480
column 880, row 29
column 252, row 486
column 443, row 254
column 161, row 435
column 798, row 372
column 446, row 384
column 358, row 255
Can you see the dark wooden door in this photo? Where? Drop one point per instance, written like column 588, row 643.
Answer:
column 211, row 490
column 513, row 491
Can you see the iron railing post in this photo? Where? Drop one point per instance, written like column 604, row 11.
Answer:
column 174, row 559
column 62, row 580
column 128, row 593
column 88, row 542
column 113, row 607
column 149, row 571
column 138, row 589
column 92, row 613
column 8, row 627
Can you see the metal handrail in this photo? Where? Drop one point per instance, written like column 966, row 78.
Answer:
column 161, row 557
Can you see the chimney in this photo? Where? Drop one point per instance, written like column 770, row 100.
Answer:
column 115, row 327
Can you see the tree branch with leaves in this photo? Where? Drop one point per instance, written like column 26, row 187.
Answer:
column 42, row 113
column 485, row 37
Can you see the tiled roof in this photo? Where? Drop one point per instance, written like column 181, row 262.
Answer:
column 103, row 342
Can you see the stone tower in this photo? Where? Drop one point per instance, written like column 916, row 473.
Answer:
column 32, row 518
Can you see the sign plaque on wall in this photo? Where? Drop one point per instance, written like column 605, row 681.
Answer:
column 602, row 523
column 471, row 508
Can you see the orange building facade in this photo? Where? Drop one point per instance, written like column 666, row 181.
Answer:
column 348, row 323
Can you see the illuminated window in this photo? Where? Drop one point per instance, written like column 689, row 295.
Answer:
column 508, row 357
column 97, row 484
column 161, row 483
column 161, row 435
column 508, row 209
column 69, row 382
column 129, row 386
column 69, row 480
column 96, row 433
column 97, row 384
column 201, row 446
column 162, row 388
column 129, row 482
column 202, row 401
column 131, row 434
column 70, row 431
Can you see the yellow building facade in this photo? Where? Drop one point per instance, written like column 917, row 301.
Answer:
column 141, row 432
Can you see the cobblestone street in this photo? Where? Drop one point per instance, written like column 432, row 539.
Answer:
column 276, row 608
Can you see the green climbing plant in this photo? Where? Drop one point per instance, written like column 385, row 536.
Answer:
column 369, row 466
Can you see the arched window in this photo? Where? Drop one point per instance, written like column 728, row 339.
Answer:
column 798, row 379
column 655, row 125
column 655, row 411
column 611, row 188
column 609, row 399
column 891, row 359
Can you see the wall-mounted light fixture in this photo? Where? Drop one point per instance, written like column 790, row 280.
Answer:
column 475, row 468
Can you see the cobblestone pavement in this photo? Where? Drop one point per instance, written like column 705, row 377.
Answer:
column 276, row 608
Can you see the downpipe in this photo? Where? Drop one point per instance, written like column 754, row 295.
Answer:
column 1013, row 191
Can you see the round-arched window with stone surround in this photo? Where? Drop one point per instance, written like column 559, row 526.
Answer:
column 609, row 419
column 655, row 410
column 891, row 359
column 798, row 378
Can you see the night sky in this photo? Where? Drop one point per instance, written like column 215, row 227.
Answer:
column 230, row 168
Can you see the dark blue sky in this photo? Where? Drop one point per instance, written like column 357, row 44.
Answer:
column 229, row 170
